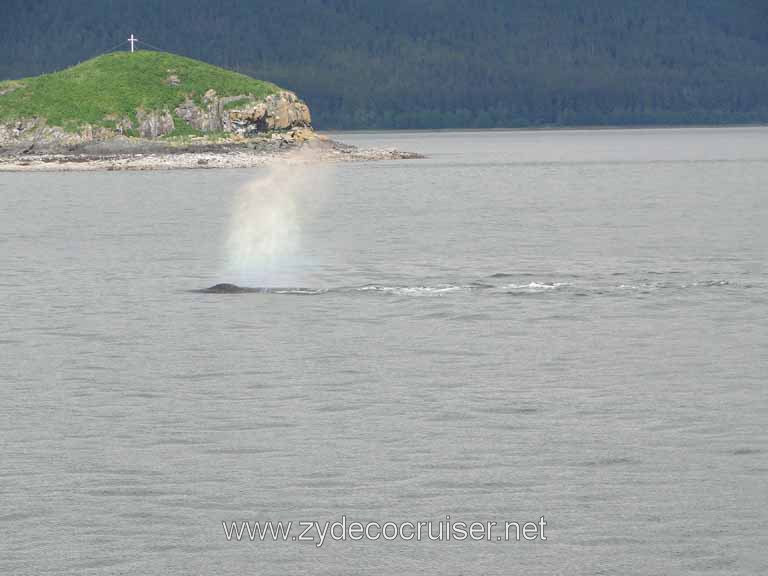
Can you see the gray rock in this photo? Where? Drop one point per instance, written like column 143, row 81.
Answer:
column 191, row 114
column 212, row 116
column 154, row 123
column 281, row 111
column 10, row 87
column 240, row 115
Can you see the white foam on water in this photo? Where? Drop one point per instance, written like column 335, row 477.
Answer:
column 534, row 286
column 411, row 290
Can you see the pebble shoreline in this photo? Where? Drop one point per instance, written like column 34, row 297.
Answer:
column 207, row 158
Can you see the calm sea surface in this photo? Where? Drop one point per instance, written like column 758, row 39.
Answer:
column 563, row 324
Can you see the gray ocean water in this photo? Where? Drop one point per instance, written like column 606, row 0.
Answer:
column 568, row 324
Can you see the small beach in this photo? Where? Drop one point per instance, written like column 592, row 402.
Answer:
column 144, row 155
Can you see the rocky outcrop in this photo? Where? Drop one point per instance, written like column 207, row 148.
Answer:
column 8, row 88
column 244, row 114
column 154, row 123
column 122, row 123
column 35, row 132
column 283, row 114
column 281, row 111
column 20, row 130
column 212, row 116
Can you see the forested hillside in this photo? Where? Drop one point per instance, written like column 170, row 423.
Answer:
column 439, row 63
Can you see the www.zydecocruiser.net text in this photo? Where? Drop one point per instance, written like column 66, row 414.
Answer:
column 343, row 530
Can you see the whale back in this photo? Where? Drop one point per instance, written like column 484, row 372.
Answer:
column 225, row 288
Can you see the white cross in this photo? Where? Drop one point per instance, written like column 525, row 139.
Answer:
column 132, row 40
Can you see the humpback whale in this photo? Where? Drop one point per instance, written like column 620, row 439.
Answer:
column 226, row 288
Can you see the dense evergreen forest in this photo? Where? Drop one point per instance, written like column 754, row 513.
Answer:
column 439, row 63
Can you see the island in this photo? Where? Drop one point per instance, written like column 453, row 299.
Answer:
column 155, row 110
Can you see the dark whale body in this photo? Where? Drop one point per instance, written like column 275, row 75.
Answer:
column 226, row 288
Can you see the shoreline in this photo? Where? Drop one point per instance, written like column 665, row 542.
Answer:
column 143, row 156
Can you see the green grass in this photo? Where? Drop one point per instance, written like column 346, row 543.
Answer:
column 236, row 103
column 117, row 84
column 182, row 129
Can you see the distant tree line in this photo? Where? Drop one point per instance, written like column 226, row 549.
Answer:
column 439, row 63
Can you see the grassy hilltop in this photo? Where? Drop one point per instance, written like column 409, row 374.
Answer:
column 116, row 85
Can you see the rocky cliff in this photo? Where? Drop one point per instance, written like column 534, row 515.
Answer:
column 243, row 115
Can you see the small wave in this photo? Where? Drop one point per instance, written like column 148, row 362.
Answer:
column 649, row 286
column 298, row 291
column 533, row 286
column 747, row 451
column 544, row 285
column 518, row 275
column 608, row 461
column 577, row 288
column 440, row 289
